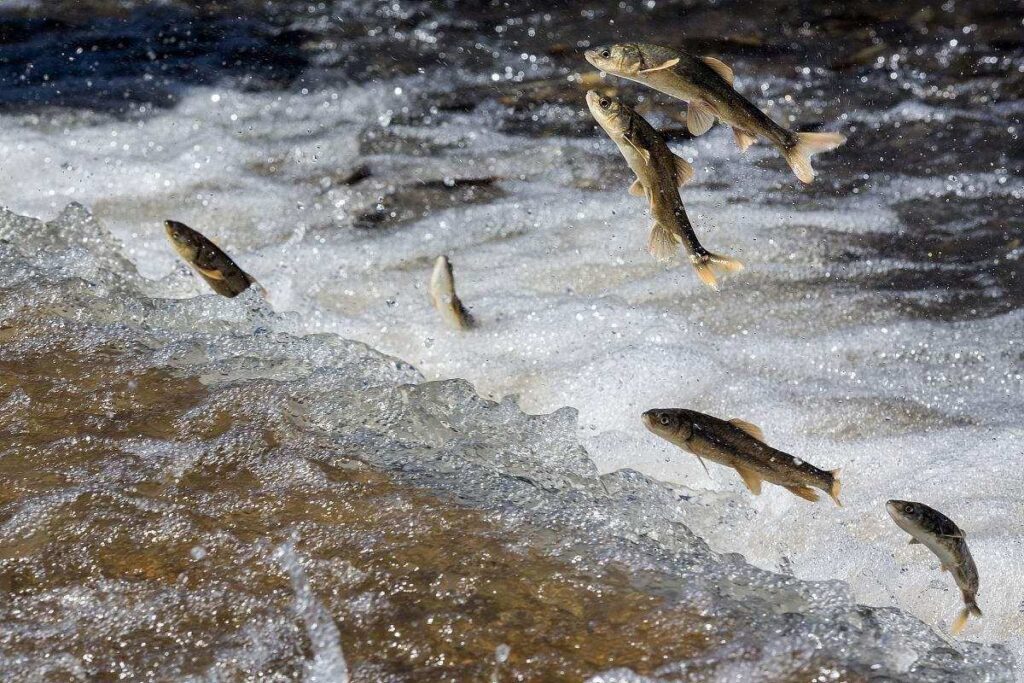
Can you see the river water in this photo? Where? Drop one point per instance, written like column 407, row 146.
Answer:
column 329, row 484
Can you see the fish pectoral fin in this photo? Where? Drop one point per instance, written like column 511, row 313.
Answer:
column 212, row 273
column 914, row 541
column 664, row 65
column 644, row 154
column 700, row 116
column 743, row 139
column 684, row 170
column 751, row 479
column 720, row 68
column 805, row 492
column 704, row 465
column 637, row 189
column 751, row 429
column 945, row 568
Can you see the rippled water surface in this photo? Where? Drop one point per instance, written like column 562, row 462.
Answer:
column 197, row 488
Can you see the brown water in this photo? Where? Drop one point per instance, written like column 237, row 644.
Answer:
column 420, row 587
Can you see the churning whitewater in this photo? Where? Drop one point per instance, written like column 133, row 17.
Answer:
column 200, row 487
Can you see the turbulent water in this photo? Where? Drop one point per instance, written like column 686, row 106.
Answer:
column 199, row 488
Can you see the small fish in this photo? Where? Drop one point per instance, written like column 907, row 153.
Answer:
column 213, row 265
column 945, row 539
column 659, row 173
column 740, row 445
column 705, row 83
column 446, row 301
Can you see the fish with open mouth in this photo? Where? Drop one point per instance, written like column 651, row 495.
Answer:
column 705, row 84
column 659, row 173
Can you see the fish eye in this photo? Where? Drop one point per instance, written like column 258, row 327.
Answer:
column 606, row 53
column 664, row 420
column 909, row 509
column 604, row 103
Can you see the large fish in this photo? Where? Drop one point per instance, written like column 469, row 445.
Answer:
column 705, row 83
column 939, row 534
column 740, row 445
column 659, row 173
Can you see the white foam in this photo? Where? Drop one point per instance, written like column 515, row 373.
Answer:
column 572, row 311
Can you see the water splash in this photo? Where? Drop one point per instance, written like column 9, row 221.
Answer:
column 328, row 664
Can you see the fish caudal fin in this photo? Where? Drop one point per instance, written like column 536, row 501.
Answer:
column 663, row 243
column 255, row 284
column 708, row 264
column 971, row 608
column 804, row 492
column 807, row 144
column 833, row 490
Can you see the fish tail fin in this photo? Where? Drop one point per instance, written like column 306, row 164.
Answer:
column 833, row 489
column 706, row 274
column 971, row 608
column 467, row 321
column 708, row 265
column 663, row 242
column 798, row 155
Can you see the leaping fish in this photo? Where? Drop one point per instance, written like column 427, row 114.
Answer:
column 944, row 538
column 659, row 173
column 206, row 258
column 444, row 298
column 705, row 83
column 738, row 444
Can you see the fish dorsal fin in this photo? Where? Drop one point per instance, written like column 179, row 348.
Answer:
column 743, row 139
column 637, row 189
column 700, row 116
column 664, row 65
column 751, row 429
column 914, row 541
column 684, row 171
column 719, row 67
column 751, row 479
column 212, row 273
